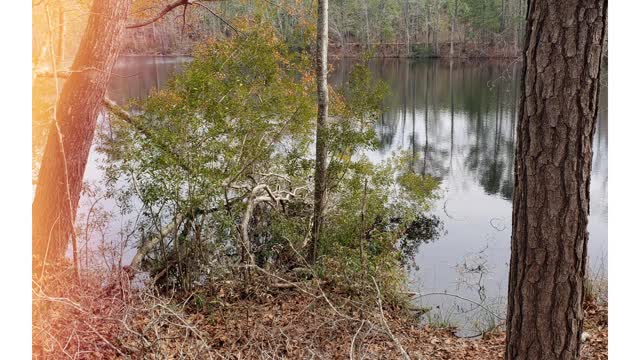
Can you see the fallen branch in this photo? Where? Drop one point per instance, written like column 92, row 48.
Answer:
column 395, row 340
column 352, row 350
column 146, row 247
column 292, row 285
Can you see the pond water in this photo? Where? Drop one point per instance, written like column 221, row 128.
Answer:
column 457, row 120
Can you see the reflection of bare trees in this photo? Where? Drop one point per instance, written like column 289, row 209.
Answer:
column 461, row 115
column 492, row 171
column 479, row 100
column 451, row 111
column 133, row 78
column 413, row 139
column 464, row 115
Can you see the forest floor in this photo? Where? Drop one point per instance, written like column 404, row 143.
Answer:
column 287, row 321
column 294, row 326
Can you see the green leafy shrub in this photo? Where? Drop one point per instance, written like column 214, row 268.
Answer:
column 221, row 163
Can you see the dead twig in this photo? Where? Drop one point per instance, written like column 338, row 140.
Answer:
column 395, row 340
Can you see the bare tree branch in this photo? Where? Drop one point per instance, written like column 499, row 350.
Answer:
column 216, row 15
column 145, row 248
column 387, row 329
column 167, row 9
column 159, row 16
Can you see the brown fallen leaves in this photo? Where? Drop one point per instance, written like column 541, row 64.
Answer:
column 597, row 325
column 292, row 323
column 293, row 326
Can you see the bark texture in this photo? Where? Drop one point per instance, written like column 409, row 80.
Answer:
column 70, row 137
column 558, row 110
column 320, row 179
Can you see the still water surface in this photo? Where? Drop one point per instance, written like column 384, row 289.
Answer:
column 458, row 121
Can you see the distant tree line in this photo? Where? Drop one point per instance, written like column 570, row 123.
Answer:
column 392, row 28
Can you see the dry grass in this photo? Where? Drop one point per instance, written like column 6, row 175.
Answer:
column 234, row 321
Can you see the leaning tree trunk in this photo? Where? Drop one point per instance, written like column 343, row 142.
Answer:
column 558, row 109
column 70, row 137
column 322, row 43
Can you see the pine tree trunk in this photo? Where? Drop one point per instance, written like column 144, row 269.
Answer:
column 322, row 43
column 558, row 110
column 60, row 178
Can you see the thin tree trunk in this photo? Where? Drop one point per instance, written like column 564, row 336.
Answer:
column 70, row 137
column 483, row 32
column 516, row 26
column 521, row 23
column 363, row 226
column 558, row 110
column 406, row 28
column 366, row 22
column 427, row 22
column 322, row 42
column 453, row 28
column 61, row 34
column 436, row 25
column 501, row 16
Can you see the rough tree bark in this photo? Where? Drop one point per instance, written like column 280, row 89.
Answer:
column 558, row 110
column 322, row 43
column 70, row 137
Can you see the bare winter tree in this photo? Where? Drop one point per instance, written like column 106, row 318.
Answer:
column 70, row 137
column 558, row 109
column 322, row 43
